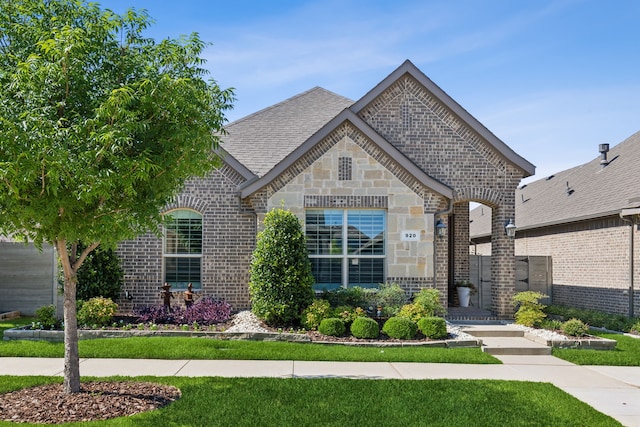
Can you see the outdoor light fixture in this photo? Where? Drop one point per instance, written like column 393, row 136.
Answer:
column 510, row 229
column 441, row 228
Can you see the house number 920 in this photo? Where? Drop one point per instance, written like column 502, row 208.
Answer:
column 410, row 235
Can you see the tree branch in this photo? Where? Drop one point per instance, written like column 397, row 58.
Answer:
column 84, row 254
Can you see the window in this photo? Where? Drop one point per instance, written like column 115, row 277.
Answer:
column 182, row 249
column 351, row 255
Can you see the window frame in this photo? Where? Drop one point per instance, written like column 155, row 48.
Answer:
column 348, row 255
column 191, row 214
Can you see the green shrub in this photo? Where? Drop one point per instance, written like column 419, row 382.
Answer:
column 46, row 318
column 615, row 322
column 433, row 327
column 400, row 328
column 100, row 275
column 348, row 314
column 313, row 315
column 281, row 281
column 332, row 326
column 390, row 296
column 414, row 312
column 635, row 329
column 429, row 300
column 530, row 311
column 550, row 324
column 352, row 297
column 365, row 327
column 97, row 311
column 575, row 328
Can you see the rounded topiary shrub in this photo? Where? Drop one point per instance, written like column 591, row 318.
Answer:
column 365, row 327
column 332, row 326
column 433, row 327
column 400, row 328
column 281, row 281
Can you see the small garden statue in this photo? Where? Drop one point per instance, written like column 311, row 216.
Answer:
column 189, row 296
column 166, row 295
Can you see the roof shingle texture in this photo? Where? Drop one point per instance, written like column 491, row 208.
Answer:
column 263, row 139
column 582, row 192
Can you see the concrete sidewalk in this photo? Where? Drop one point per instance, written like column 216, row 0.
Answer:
column 612, row 390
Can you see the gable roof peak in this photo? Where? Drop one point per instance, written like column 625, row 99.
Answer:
column 408, row 67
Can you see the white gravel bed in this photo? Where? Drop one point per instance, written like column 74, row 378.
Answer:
column 246, row 321
column 457, row 334
column 542, row 333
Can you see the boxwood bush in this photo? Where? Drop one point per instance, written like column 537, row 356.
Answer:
column 332, row 326
column 400, row 328
column 365, row 327
column 433, row 327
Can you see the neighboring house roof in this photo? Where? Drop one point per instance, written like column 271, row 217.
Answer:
column 584, row 192
column 263, row 139
column 408, row 68
column 361, row 125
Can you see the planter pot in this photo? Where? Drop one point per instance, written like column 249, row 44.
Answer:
column 464, row 296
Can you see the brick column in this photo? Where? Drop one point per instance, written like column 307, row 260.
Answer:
column 461, row 241
column 502, row 261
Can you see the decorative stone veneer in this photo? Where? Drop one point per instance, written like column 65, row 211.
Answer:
column 372, row 186
column 229, row 231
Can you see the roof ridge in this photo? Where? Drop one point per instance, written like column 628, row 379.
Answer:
column 286, row 101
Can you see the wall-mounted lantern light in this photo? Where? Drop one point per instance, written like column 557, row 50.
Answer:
column 510, row 229
column 441, row 228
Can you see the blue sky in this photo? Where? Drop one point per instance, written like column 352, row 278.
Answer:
column 552, row 79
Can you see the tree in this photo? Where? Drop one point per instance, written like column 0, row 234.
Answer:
column 99, row 129
column 281, row 281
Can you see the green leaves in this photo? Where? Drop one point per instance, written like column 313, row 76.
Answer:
column 99, row 126
column 281, row 280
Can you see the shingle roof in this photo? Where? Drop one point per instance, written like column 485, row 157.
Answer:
column 583, row 192
column 276, row 131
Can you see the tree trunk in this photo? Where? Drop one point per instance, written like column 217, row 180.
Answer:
column 71, row 355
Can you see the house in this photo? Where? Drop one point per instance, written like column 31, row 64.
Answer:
column 587, row 220
column 369, row 179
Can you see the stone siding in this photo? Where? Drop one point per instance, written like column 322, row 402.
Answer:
column 318, row 185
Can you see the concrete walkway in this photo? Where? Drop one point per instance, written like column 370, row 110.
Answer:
column 614, row 391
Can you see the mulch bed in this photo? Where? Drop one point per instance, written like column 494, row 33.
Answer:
column 48, row 404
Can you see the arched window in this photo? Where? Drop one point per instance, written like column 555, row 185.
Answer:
column 182, row 249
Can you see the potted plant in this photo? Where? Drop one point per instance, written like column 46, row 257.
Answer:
column 465, row 289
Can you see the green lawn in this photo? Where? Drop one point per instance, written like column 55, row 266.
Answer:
column 205, row 348
column 340, row 402
column 626, row 353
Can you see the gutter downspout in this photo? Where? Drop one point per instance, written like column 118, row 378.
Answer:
column 623, row 214
column 446, row 211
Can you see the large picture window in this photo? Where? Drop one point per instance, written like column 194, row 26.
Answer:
column 182, row 249
column 346, row 247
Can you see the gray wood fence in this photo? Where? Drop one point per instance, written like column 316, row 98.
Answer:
column 27, row 278
column 533, row 273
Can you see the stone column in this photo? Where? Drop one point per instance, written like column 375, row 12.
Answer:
column 502, row 261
